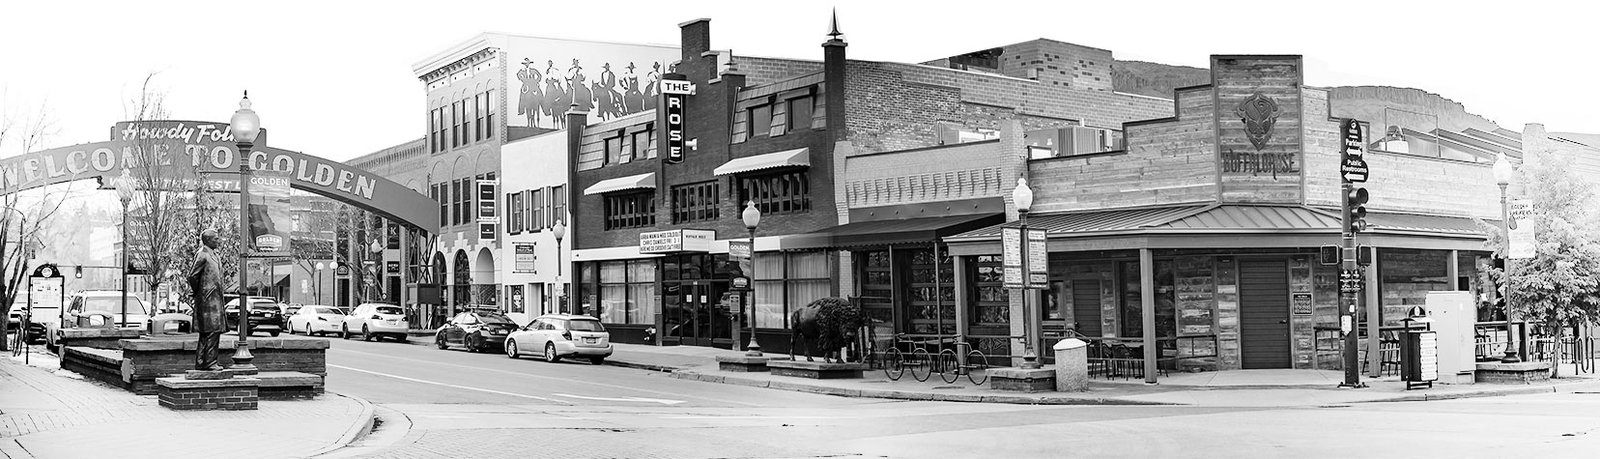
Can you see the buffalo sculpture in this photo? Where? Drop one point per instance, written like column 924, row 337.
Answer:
column 827, row 323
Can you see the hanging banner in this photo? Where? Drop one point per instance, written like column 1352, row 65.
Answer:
column 1521, row 229
column 270, row 222
column 673, row 94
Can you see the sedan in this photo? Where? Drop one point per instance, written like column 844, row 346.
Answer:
column 557, row 336
column 316, row 320
column 477, row 331
column 264, row 315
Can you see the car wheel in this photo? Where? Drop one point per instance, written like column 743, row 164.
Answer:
column 274, row 333
column 550, row 353
column 401, row 338
column 366, row 335
column 471, row 343
column 291, row 330
column 344, row 332
column 597, row 360
column 438, row 340
column 511, row 348
column 308, row 330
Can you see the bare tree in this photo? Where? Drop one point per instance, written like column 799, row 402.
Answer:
column 26, row 215
column 161, row 213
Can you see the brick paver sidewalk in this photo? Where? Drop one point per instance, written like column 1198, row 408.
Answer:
column 48, row 413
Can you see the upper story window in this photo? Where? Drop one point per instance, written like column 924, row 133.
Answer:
column 514, row 214
column 779, row 114
column 697, row 202
column 777, row 193
column 536, row 205
column 630, row 210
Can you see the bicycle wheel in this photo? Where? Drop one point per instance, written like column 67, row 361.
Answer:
column 949, row 368
column 921, row 364
column 977, row 367
column 894, row 364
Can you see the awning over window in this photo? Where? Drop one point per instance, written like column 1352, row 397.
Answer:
column 795, row 157
column 632, row 182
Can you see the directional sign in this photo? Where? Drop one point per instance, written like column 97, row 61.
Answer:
column 1353, row 167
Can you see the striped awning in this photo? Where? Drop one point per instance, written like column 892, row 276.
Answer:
column 632, row 182
column 795, row 157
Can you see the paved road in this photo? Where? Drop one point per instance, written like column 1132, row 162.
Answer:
column 438, row 404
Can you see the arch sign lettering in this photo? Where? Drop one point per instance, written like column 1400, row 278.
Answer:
column 199, row 153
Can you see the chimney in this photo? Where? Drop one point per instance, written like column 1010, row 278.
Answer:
column 833, row 58
column 576, row 120
column 696, row 38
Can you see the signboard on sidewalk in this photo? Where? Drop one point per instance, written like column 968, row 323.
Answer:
column 1036, row 274
column 270, row 222
column 1521, row 230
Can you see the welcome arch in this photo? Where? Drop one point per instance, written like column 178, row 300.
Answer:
column 203, row 154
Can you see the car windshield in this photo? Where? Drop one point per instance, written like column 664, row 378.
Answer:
column 585, row 325
column 329, row 311
column 496, row 319
column 112, row 304
column 389, row 310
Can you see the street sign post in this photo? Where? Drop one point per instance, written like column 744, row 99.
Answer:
column 1353, row 166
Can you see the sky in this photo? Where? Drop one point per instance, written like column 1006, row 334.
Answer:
column 334, row 78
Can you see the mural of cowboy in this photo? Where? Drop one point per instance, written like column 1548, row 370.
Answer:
column 530, row 102
column 606, row 97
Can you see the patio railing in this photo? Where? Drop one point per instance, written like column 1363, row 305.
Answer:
column 1112, row 357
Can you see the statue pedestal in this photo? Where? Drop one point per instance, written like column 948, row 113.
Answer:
column 816, row 370
column 229, row 393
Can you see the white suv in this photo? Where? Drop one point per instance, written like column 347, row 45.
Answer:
column 373, row 320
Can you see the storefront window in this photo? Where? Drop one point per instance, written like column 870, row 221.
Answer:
column 1131, row 314
column 613, row 291
column 769, row 290
column 642, row 298
column 586, row 289
column 808, row 278
column 1406, row 276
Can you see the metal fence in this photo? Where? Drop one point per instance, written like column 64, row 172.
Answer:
column 1111, row 357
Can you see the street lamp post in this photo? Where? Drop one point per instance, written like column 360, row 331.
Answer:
column 1502, row 177
column 560, row 232
column 125, row 194
column 1022, row 196
column 377, row 270
column 318, row 281
column 245, row 125
column 752, row 218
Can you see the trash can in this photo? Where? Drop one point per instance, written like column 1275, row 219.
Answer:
column 1072, row 365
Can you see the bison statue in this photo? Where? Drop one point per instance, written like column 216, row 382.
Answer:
column 827, row 323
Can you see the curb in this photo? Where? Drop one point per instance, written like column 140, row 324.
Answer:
column 910, row 395
column 1496, row 392
column 641, row 366
column 355, row 432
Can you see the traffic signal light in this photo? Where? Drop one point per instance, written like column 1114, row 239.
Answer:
column 1355, row 203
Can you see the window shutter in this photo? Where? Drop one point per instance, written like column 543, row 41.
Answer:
column 780, row 119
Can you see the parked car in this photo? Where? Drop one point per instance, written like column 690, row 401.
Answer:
column 475, row 330
column 557, row 336
column 97, row 308
column 265, row 314
column 375, row 320
column 316, row 319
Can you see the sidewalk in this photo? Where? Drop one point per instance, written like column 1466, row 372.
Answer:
column 49, row 413
column 1220, row 388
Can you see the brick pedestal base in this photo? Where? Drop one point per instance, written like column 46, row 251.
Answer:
column 1020, row 380
column 1513, row 373
column 740, row 363
column 208, row 394
column 816, row 370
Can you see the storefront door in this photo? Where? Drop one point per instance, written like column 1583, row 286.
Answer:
column 1264, row 314
column 698, row 318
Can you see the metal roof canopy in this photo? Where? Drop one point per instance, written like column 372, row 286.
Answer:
column 1224, row 226
column 922, row 230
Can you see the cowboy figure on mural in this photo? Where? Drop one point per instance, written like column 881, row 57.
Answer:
column 556, row 98
column 632, row 98
column 605, row 94
column 530, row 100
column 581, row 97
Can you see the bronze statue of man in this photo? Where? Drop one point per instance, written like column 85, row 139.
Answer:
column 205, row 283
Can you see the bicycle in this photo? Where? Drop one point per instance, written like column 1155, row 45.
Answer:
column 896, row 362
column 951, row 368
